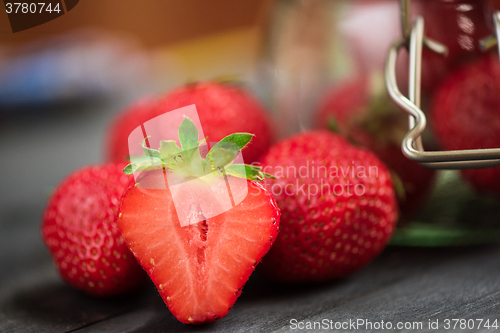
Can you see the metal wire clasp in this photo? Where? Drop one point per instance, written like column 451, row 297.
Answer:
column 414, row 40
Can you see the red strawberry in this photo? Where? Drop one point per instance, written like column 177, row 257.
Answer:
column 458, row 24
column 223, row 109
column 133, row 116
column 364, row 113
column 198, row 253
column 465, row 114
column 79, row 228
column 369, row 50
column 338, row 207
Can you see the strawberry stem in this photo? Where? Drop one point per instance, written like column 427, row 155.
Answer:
column 187, row 161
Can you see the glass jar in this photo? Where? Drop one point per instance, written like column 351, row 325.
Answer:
column 322, row 66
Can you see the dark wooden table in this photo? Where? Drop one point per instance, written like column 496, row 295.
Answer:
column 409, row 285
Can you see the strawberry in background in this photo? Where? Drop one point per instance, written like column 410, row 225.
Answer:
column 465, row 113
column 370, row 27
column 361, row 110
column 223, row 109
column 458, row 24
column 338, row 207
column 79, row 228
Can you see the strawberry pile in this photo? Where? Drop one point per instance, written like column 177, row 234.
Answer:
column 190, row 215
column 186, row 211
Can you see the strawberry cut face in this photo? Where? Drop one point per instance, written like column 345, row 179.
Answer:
column 199, row 174
column 193, row 225
column 198, row 269
column 206, row 197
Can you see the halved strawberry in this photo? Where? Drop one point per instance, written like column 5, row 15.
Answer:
column 196, row 225
column 199, row 269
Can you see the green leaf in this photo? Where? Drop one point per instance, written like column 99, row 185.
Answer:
column 140, row 160
column 398, row 186
column 148, row 151
column 332, row 125
column 266, row 175
column 187, row 161
column 222, row 154
column 129, row 169
column 188, row 134
column 132, row 168
column 250, row 172
column 239, row 139
column 169, row 148
column 237, row 170
column 226, row 150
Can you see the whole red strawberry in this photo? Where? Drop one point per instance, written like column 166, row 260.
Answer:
column 361, row 111
column 458, row 24
column 198, row 225
column 465, row 115
column 79, row 228
column 337, row 203
column 223, row 109
column 119, row 130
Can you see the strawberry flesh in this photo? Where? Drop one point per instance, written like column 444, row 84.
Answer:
column 201, row 268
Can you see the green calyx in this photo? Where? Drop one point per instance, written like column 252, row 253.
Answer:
column 186, row 160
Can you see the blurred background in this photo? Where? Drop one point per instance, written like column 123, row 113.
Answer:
column 62, row 82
